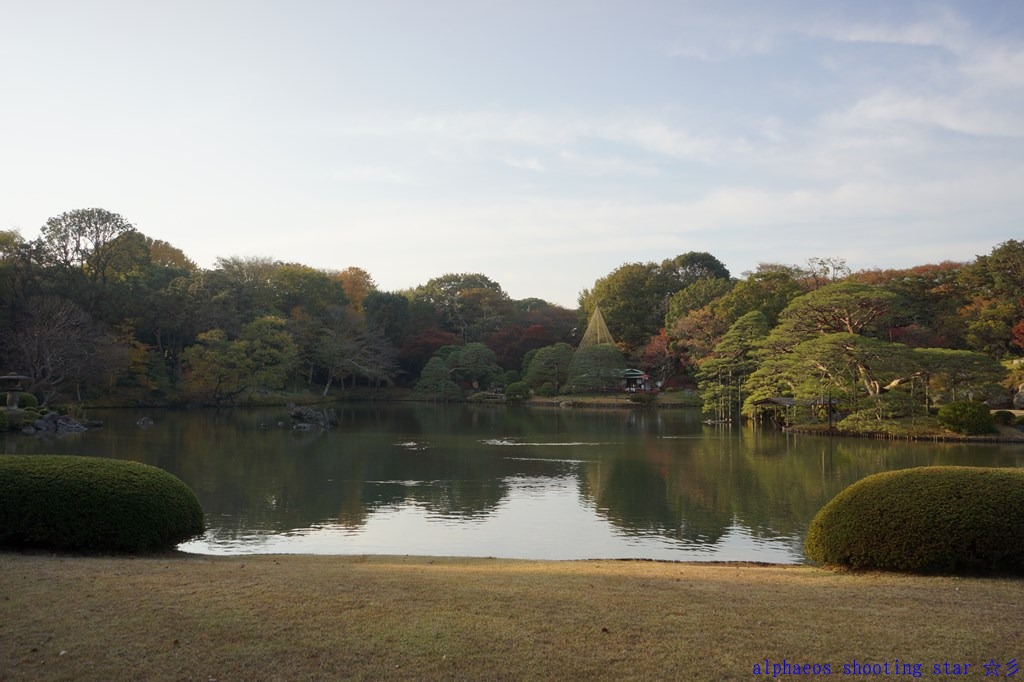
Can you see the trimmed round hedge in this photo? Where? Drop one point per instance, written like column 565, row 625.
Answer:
column 24, row 400
column 942, row 519
column 517, row 391
column 93, row 504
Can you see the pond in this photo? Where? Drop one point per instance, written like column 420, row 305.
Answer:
column 516, row 482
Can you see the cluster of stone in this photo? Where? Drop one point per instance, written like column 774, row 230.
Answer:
column 57, row 423
column 306, row 419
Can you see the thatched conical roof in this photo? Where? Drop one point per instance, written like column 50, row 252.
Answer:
column 597, row 331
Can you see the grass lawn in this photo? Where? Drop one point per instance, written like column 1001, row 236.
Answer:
column 182, row 617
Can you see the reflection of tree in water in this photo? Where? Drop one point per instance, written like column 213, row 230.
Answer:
column 634, row 495
column 697, row 489
column 654, row 473
column 459, row 498
column 275, row 480
column 313, row 485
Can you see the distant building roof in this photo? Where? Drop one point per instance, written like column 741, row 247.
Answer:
column 778, row 400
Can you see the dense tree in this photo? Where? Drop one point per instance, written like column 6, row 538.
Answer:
column 470, row 304
column 635, row 297
column 988, row 325
column 221, row 369
column 549, row 365
column 343, row 348
column 840, row 364
column 660, row 358
column 512, row 342
column 1017, row 335
column 957, row 374
column 822, row 344
column 388, row 314
column 770, row 289
column 338, row 344
column 236, row 291
column 171, row 320
column 299, row 286
column 533, row 323
column 697, row 332
column 930, row 300
column 12, row 250
column 686, row 269
column 723, row 373
column 91, row 257
column 141, row 303
column 825, row 271
column 844, row 307
column 999, row 274
column 421, row 346
column 630, row 298
column 436, row 383
column 828, row 340
column 83, row 240
column 169, row 256
column 994, row 283
column 473, row 363
column 358, row 284
column 596, row 368
column 380, row 360
column 271, row 350
column 216, row 368
column 694, row 297
column 55, row 343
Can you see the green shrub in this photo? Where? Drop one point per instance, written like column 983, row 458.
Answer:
column 1003, row 417
column 24, row 400
column 643, row 398
column 966, row 417
column 546, row 390
column 93, row 504
column 925, row 520
column 1019, row 421
column 20, row 418
column 517, row 391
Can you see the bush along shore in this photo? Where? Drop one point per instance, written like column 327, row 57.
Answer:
column 315, row 412
column 58, row 502
column 936, row 519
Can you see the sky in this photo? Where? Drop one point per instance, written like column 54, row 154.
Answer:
column 541, row 143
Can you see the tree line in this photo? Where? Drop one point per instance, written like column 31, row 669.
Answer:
column 94, row 308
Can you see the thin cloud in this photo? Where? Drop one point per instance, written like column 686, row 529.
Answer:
column 533, row 165
column 946, row 112
column 942, row 29
column 373, row 175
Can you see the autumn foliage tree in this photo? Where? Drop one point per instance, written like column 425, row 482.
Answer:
column 1017, row 334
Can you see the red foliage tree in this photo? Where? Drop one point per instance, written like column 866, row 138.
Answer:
column 1017, row 334
column 659, row 357
column 419, row 347
column 511, row 343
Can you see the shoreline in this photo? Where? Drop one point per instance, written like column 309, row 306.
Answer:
column 1004, row 437
column 1006, row 434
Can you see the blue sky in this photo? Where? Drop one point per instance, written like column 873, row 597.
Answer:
column 541, row 143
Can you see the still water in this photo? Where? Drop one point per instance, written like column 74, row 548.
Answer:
column 536, row 483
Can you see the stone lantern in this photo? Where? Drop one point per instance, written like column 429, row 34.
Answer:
column 12, row 384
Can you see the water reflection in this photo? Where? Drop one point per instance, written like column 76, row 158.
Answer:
column 509, row 482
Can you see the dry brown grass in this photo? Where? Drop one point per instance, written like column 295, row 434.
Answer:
column 300, row 617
